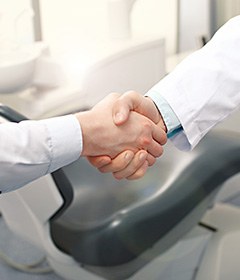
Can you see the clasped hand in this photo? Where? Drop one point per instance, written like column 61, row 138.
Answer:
column 123, row 134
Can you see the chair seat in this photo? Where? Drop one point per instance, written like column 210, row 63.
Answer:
column 110, row 223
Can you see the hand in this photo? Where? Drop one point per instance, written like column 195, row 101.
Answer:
column 133, row 101
column 135, row 167
column 102, row 137
column 126, row 165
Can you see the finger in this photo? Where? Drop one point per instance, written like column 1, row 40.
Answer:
column 159, row 135
column 159, row 138
column 99, row 161
column 155, row 149
column 139, row 173
column 138, row 160
column 150, row 159
column 118, row 163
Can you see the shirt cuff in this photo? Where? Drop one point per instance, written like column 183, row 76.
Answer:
column 170, row 119
column 65, row 140
column 175, row 131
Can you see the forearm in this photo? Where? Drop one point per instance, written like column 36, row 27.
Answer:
column 32, row 149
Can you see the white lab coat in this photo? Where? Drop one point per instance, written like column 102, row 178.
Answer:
column 205, row 88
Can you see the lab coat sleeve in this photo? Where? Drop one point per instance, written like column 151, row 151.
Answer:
column 205, row 88
column 31, row 149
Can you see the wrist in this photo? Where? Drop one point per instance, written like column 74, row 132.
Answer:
column 86, row 124
column 159, row 118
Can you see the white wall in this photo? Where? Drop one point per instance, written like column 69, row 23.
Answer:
column 157, row 17
column 226, row 10
column 194, row 22
column 67, row 22
column 22, row 31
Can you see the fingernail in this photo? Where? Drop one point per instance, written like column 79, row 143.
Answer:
column 118, row 117
column 142, row 156
column 128, row 156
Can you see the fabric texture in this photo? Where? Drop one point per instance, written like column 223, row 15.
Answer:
column 31, row 149
column 204, row 89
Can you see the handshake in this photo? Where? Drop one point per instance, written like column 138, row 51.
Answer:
column 123, row 134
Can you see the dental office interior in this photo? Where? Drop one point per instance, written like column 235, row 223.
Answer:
column 181, row 221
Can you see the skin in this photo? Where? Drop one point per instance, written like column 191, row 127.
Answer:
column 138, row 136
column 128, row 164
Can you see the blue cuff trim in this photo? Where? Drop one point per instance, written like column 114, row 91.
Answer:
column 170, row 119
column 174, row 132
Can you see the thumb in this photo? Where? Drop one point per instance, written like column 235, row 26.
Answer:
column 126, row 103
column 133, row 101
column 121, row 111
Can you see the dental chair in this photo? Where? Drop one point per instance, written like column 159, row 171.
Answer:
column 91, row 226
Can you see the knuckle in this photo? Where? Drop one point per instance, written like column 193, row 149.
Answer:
column 145, row 141
column 131, row 93
column 115, row 94
column 151, row 160
column 147, row 126
column 160, row 151
column 102, row 170
column 164, row 139
column 118, row 176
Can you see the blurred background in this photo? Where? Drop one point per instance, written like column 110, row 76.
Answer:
column 59, row 57
column 67, row 22
column 52, row 52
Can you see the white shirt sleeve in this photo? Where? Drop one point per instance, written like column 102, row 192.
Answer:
column 31, row 149
column 205, row 88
